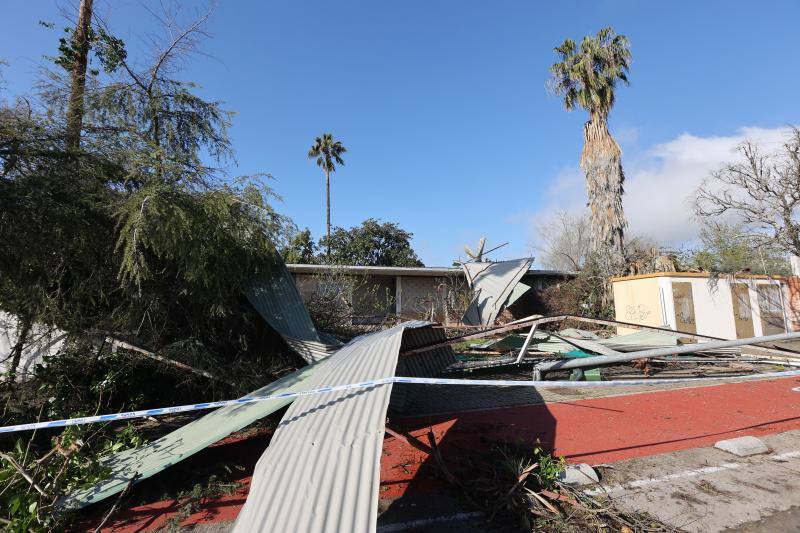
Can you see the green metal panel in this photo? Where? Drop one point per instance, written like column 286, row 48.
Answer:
column 278, row 301
column 160, row 454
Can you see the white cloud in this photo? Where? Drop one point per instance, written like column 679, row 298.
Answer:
column 661, row 182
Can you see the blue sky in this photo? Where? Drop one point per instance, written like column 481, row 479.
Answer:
column 443, row 107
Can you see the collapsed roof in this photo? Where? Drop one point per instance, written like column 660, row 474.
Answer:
column 493, row 283
column 278, row 302
column 331, row 442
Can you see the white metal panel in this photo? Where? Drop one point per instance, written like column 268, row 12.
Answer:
column 322, row 469
column 493, row 283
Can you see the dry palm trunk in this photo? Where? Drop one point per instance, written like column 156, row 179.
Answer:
column 601, row 161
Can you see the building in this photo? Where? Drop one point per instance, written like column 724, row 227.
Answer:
column 730, row 307
column 440, row 294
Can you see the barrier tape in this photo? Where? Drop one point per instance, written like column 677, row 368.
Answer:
column 377, row 383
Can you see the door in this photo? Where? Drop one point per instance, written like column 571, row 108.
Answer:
column 742, row 312
column 770, row 305
column 684, row 306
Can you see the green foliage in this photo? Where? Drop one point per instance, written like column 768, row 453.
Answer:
column 588, row 74
column 206, row 242
column 327, row 152
column 371, row 244
column 583, row 295
column 300, row 249
column 71, row 463
column 140, row 232
column 504, row 480
column 726, row 248
column 109, row 50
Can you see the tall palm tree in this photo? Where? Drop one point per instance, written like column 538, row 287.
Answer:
column 328, row 153
column 587, row 75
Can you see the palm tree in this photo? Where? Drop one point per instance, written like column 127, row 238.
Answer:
column 587, row 76
column 328, row 152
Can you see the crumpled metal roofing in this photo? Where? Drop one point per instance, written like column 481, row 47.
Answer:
column 321, row 471
column 155, row 456
column 632, row 342
column 279, row 302
column 493, row 284
column 429, row 363
column 517, row 292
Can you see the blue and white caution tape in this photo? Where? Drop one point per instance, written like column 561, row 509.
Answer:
column 377, row 383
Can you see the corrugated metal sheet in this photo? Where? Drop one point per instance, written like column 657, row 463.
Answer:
column 154, row 457
column 424, row 364
column 279, row 302
column 632, row 342
column 322, row 469
column 493, row 284
column 517, row 292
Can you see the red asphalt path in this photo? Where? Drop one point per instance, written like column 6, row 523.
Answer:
column 598, row 430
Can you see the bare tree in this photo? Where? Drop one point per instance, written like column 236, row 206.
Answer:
column 565, row 241
column 762, row 192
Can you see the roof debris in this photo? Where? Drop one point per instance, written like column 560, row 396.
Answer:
column 325, row 454
column 493, row 284
column 279, row 303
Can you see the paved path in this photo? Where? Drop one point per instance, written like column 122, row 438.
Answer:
column 705, row 489
column 600, row 430
column 594, row 430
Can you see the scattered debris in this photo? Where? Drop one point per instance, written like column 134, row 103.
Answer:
column 279, row 303
column 168, row 450
column 579, row 475
column 335, row 437
column 743, row 446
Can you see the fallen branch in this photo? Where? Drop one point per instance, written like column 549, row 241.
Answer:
column 410, row 440
column 117, row 343
column 18, row 467
column 119, row 499
column 438, row 456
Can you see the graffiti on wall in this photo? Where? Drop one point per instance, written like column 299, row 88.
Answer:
column 636, row 313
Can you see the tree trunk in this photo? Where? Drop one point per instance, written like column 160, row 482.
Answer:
column 601, row 161
column 80, row 41
column 16, row 351
column 328, row 212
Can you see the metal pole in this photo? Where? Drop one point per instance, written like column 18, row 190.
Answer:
column 527, row 343
column 658, row 352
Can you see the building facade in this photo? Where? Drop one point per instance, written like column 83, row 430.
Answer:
column 439, row 294
column 732, row 307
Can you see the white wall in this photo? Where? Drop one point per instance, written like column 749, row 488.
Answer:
column 713, row 304
column 42, row 341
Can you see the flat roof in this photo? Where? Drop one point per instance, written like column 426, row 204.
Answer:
column 403, row 271
column 691, row 275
